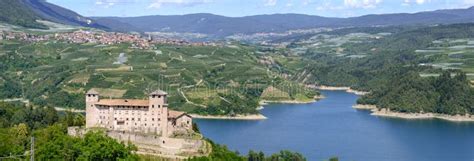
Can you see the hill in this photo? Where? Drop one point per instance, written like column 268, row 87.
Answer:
column 216, row 80
column 26, row 13
column 224, row 26
column 17, row 13
column 411, row 70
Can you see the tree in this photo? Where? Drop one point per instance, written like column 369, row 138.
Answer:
column 287, row 156
column 97, row 146
column 254, row 156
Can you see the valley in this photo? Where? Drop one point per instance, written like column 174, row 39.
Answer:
column 205, row 87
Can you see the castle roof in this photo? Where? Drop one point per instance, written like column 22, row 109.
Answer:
column 159, row 92
column 92, row 91
column 176, row 114
column 123, row 102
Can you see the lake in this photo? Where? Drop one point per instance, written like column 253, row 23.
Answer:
column 331, row 127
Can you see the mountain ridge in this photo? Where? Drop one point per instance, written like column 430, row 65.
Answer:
column 26, row 12
column 212, row 24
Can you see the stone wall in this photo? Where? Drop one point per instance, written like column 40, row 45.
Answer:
column 154, row 144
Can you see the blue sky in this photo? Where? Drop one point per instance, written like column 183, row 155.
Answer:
column 236, row 8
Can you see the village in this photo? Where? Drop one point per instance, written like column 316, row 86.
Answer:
column 99, row 37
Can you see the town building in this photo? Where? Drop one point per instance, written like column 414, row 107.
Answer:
column 136, row 115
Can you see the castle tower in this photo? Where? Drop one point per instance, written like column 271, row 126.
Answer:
column 92, row 97
column 159, row 106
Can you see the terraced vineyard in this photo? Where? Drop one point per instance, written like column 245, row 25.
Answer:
column 451, row 54
column 202, row 79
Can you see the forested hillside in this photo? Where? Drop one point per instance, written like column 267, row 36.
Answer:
column 17, row 13
column 411, row 93
column 25, row 13
column 392, row 68
column 222, row 26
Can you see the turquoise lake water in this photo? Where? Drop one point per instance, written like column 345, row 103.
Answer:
column 331, row 127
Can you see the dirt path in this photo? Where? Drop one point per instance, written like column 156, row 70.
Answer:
column 186, row 98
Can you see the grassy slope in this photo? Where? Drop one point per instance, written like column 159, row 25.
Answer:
column 221, row 75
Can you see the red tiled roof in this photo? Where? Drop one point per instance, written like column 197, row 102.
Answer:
column 176, row 114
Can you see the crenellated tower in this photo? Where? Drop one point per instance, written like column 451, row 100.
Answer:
column 92, row 97
column 159, row 106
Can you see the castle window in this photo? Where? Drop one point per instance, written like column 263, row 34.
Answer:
column 152, row 119
column 133, row 119
column 159, row 96
column 88, row 95
column 158, row 106
column 127, row 119
column 145, row 124
column 152, row 106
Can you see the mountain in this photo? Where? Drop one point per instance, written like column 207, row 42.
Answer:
column 17, row 13
column 26, row 12
column 224, row 26
column 221, row 25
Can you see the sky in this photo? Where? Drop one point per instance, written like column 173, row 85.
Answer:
column 238, row 8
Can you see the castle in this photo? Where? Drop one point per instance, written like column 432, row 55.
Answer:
column 134, row 115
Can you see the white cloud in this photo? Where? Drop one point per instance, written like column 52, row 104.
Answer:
column 106, row 3
column 159, row 3
column 306, row 2
column 362, row 3
column 469, row 2
column 270, row 2
column 419, row 2
column 327, row 5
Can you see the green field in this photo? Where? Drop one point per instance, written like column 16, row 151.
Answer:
column 451, row 54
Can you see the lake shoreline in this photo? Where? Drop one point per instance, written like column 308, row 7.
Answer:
column 383, row 112
column 256, row 116
column 237, row 117
column 315, row 99
column 347, row 89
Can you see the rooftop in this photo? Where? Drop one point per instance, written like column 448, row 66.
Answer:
column 174, row 114
column 92, row 91
column 123, row 102
column 159, row 92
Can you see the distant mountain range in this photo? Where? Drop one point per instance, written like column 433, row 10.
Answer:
column 22, row 12
column 224, row 26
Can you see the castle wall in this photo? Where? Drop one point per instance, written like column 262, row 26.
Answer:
column 151, row 143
